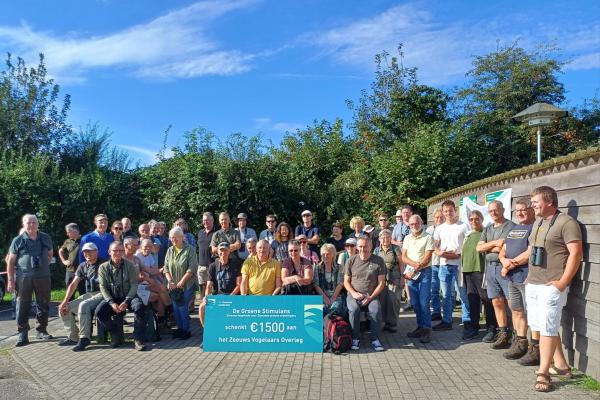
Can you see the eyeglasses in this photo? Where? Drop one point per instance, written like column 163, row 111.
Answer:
column 382, row 219
column 474, row 219
column 118, row 228
column 303, row 241
column 270, row 221
column 293, row 251
column 350, row 245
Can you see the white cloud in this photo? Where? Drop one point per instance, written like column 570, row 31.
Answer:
column 443, row 51
column 268, row 125
column 149, row 156
column 174, row 45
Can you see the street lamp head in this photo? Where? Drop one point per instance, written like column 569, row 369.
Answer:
column 540, row 114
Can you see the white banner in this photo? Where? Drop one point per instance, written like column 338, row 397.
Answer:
column 468, row 205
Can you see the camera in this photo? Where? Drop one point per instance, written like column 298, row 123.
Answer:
column 536, row 258
column 35, row 262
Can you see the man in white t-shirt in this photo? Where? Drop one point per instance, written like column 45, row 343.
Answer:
column 449, row 238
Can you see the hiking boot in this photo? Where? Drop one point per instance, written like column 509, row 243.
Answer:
column 415, row 334
column 517, row 349
column 436, row 317
column 43, row 335
column 502, row 340
column 23, row 339
column 532, row 357
column 442, row 326
column 139, row 345
column 425, row 336
column 67, row 342
column 377, row 346
column 490, row 335
column 82, row 344
column 355, row 344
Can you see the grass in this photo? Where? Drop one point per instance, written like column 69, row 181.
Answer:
column 585, row 382
column 55, row 295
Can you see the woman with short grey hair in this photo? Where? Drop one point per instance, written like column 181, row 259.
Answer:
column 328, row 281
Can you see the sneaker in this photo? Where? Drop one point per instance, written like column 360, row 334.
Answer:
column 23, row 339
column 415, row 334
column 82, row 344
column 43, row 335
column 532, row 357
column 67, row 342
column 176, row 333
column 390, row 328
column 406, row 308
column 517, row 349
column 436, row 317
column 470, row 334
column 502, row 340
column 425, row 336
column 490, row 335
column 377, row 345
column 139, row 345
column 355, row 344
column 442, row 326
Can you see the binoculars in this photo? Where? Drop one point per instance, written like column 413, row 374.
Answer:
column 536, row 258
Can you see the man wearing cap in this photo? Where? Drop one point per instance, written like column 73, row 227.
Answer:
column 245, row 234
column 83, row 307
column 99, row 237
column 226, row 234
column 350, row 250
column 384, row 223
column 224, row 277
column 269, row 233
column 261, row 275
column 401, row 229
column 118, row 279
column 310, row 230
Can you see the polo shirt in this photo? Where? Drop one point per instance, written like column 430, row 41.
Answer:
column 491, row 233
column 28, row 251
column 416, row 246
column 262, row 279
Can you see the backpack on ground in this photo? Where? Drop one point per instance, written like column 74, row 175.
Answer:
column 338, row 335
column 150, row 333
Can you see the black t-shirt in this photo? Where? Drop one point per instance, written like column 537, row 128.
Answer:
column 88, row 273
column 205, row 256
column 224, row 278
column 339, row 244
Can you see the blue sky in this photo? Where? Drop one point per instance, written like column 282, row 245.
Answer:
column 270, row 66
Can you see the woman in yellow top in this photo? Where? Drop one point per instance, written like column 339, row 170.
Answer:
column 181, row 265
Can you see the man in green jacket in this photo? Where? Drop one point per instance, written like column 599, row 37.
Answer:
column 118, row 284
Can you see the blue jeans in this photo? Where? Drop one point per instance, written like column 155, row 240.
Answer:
column 181, row 312
column 420, row 294
column 464, row 301
column 447, row 277
column 436, row 305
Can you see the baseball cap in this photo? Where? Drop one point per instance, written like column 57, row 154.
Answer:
column 369, row 228
column 89, row 247
column 351, row 241
column 306, row 212
column 300, row 237
column 223, row 245
column 399, row 213
column 242, row 216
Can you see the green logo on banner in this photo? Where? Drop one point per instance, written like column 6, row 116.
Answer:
column 493, row 196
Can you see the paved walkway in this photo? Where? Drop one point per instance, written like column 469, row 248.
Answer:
column 446, row 368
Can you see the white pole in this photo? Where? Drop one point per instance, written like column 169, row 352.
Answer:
column 539, row 144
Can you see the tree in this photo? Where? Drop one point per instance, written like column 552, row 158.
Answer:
column 32, row 119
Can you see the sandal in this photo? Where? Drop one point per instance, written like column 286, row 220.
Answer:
column 566, row 373
column 543, row 384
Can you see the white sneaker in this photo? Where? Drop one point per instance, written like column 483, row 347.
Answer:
column 377, row 345
column 355, row 344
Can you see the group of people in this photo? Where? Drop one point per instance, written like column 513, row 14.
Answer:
column 518, row 272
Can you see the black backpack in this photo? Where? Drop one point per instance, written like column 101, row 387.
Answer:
column 338, row 335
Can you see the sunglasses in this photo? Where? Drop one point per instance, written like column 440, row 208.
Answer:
column 293, row 251
column 303, row 241
column 382, row 219
column 270, row 221
column 118, row 228
column 350, row 245
column 474, row 219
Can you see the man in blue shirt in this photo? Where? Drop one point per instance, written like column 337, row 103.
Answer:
column 308, row 229
column 99, row 237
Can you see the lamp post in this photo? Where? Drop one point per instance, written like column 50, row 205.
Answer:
column 538, row 115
